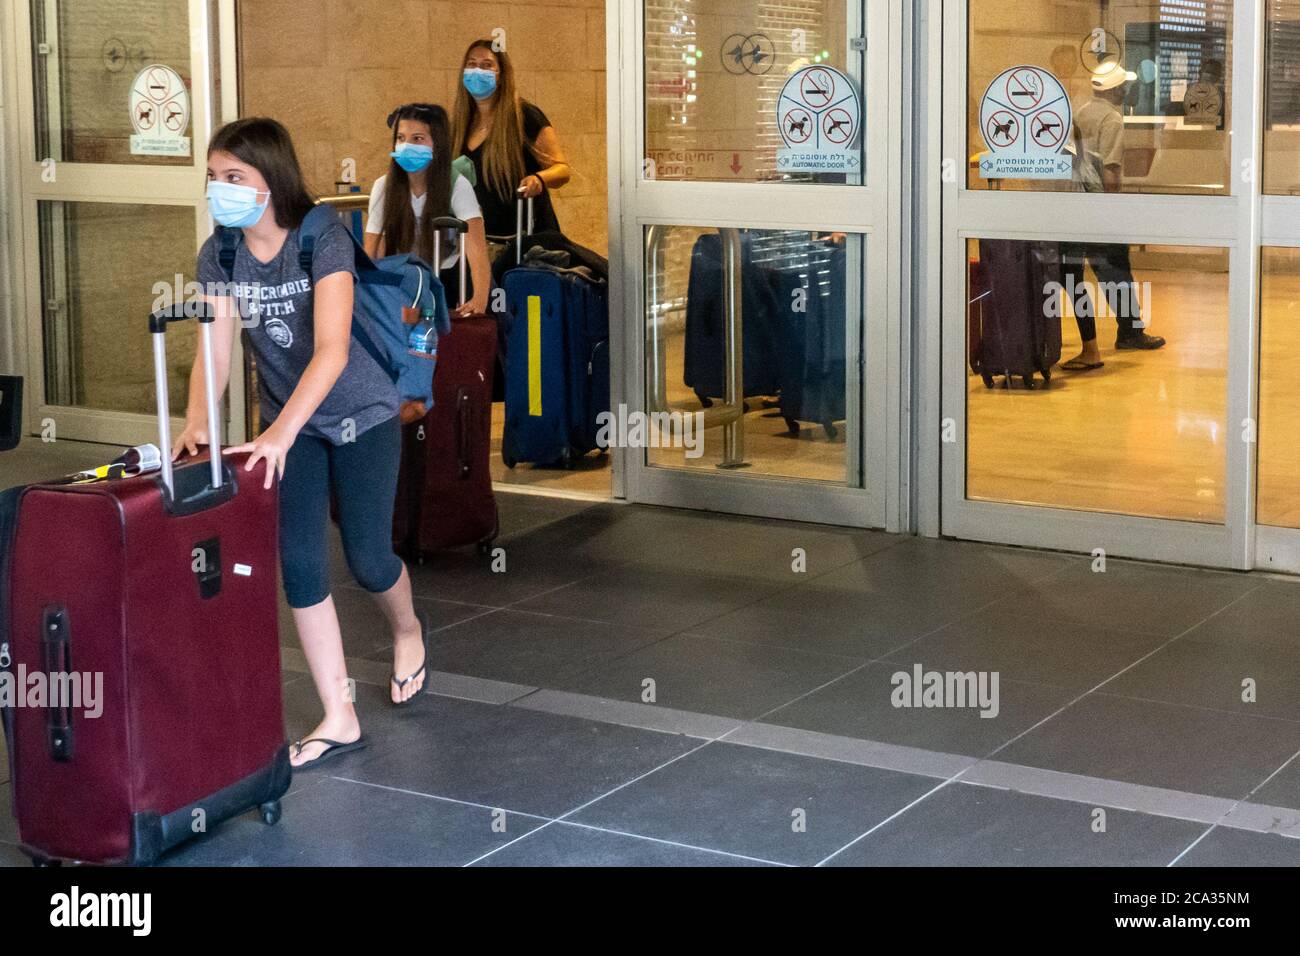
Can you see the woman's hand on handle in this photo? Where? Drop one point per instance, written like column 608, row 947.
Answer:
column 272, row 446
column 531, row 186
column 475, row 306
column 190, row 439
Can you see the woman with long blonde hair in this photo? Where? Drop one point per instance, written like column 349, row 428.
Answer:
column 514, row 148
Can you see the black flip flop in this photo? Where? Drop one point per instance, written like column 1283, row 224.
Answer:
column 333, row 748
column 1074, row 365
column 402, row 682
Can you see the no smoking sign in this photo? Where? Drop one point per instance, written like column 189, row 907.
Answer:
column 160, row 112
column 1025, row 119
column 819, row 114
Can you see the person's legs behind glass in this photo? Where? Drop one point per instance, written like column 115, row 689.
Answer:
column 1112, row 264
column 1073, row 260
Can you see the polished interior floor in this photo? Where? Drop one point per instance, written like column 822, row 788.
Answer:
column 1145, row 435
column 770, row 449
column 1279, row 392
column 772, row 698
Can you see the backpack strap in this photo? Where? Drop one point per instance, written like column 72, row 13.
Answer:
column 314, row 224
column 228, row 244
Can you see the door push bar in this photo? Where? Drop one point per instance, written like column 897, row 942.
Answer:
column 729, row 416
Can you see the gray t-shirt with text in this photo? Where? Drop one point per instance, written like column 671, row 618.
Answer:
column 275, row 300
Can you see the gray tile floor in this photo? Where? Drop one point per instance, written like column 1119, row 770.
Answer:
column 654, row 687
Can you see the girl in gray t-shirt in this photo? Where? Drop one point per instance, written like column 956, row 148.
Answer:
column 329, row 411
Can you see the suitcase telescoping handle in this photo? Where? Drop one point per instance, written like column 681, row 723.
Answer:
column 459, row 226
column 520, row 205
column 158, row 322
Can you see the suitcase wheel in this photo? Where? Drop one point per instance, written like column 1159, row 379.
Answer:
column 1029, row 382
column 42, row 862
column 484, row 547
column 270, row 812
column 831, row 431
column 567, row 461
column 509, row 460
column 988, row 379
column 793, row 425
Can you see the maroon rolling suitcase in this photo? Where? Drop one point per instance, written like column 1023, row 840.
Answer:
column 163, row 587
column 1019, row 334
column 444, row 488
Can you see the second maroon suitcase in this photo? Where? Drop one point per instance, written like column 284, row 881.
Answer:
column 164, row 587
column 444, row 488
column 1020, row 334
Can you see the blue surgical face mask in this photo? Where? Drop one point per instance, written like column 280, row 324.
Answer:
column 235, row 206
column 412, row 157
column 480, row 83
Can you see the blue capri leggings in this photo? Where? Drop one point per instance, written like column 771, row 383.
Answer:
column 363, row 475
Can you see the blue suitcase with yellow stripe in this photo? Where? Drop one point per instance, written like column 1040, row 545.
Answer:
column 557, row 364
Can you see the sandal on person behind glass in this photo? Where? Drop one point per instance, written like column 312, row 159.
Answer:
column 402, row 682
column 333, row 748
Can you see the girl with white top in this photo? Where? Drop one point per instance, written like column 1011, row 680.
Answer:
column 421, row 186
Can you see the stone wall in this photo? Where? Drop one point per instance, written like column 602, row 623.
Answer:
column 331, row 70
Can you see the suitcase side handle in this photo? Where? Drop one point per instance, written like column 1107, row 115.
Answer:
column 463, row 450
column 158, row 322
column 55, row 644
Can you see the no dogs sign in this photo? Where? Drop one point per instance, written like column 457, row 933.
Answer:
column 1025, row 119
column 819, row 114
column 160, row 112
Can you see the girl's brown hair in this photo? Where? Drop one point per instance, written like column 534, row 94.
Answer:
column 401, row 231
column 267, row 146
column 503, row 150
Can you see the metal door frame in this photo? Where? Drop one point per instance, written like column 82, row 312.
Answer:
column 1232, row 221
column 1276, row 548
column 212, row 24
column 873, row 210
